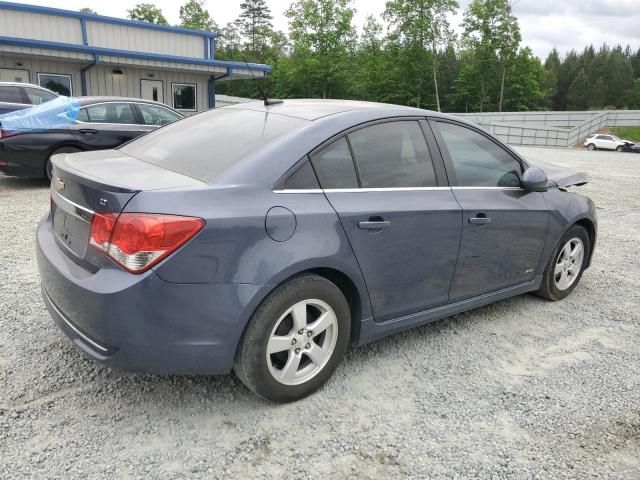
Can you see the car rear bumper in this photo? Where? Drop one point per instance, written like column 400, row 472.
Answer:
column 140, row 322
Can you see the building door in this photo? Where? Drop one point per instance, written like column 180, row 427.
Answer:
column 152, row 90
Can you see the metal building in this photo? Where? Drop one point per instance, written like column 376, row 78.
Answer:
column 76, row 53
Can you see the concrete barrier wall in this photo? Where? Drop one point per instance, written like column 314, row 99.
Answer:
column 557, row 129
column 544, row 129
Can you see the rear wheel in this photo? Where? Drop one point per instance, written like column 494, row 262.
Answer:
column 295, row 339
column 565, row 267
column 48, row 167
column 591, row 147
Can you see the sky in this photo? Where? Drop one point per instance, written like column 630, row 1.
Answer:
column 565, row 24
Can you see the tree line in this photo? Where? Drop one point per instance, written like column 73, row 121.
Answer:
column 411, row 55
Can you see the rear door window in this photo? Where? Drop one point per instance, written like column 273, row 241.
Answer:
column 334, row 166
column 393, row 155
column 107, row 113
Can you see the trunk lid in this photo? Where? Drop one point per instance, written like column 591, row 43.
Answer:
column 83, row 184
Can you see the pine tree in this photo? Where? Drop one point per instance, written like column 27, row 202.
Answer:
column 254, row 23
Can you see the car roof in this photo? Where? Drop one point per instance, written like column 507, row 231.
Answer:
column 313, row 109
column 91, row 100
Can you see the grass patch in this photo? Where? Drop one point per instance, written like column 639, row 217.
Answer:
column 627, row 133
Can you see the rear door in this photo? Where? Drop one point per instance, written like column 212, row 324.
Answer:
column 107, row 125
column 504, row 227
column 400, row 217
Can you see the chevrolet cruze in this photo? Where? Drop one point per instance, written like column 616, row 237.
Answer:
column 267, row 238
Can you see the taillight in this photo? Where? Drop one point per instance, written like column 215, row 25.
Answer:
column 8, row 133
column 138, row 241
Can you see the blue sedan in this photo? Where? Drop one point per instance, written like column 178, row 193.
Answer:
column 267, row 238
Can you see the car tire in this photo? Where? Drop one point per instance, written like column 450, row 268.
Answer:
column 300, row 360
column 620, row 149
column 566, row 265
column 48, row 167
column 591, row 147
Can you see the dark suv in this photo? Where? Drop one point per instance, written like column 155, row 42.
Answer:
column 17, row 96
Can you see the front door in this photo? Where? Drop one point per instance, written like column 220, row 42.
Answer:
column 152, row 90
column 503, row 226
column 401, row 219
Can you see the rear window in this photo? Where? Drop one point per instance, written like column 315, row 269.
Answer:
column 205, row 145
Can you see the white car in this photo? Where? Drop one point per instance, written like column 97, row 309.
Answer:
column 607, row 142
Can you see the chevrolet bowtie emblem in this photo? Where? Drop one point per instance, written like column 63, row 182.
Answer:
column 59, row 184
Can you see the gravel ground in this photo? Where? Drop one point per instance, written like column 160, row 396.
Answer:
column 523, row 388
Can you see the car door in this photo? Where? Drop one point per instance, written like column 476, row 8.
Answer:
column 400, row 217
column 605, row 142
column 107, row 125
column 504, row 227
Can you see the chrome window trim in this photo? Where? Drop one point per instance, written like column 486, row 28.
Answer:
column 390, row 189
column 301, row 190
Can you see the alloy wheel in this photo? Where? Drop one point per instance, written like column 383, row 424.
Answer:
column 569, row 263
column 302, row 342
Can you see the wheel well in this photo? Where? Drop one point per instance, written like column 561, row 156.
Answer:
column 350, row 292
column 591, row 230
column 53, row 149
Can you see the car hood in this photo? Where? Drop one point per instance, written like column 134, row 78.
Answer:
column 562, row 177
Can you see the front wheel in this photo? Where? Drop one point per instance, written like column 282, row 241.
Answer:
column 295, row 339
column 591, row 147
column 566, row 265
column 620, row 149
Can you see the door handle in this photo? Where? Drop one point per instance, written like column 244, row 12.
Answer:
column 88, row 131
column 480, row 219
column 374, row 223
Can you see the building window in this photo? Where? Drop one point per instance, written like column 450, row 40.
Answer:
column 184, row 96
column 61, row 84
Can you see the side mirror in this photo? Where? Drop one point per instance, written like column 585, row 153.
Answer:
column 534, row 180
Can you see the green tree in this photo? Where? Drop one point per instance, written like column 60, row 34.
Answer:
column 576, row 98
column 370, row 78
column 147, row 12
column 421, row 26
column 254, row 23
column 635, row 95
column 596, row 95
column 523, row 88
column 492, row 31
column 194, row 15
column 88, row 10
column 323, row 38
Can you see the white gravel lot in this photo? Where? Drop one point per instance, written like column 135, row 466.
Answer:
column 523, row 388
